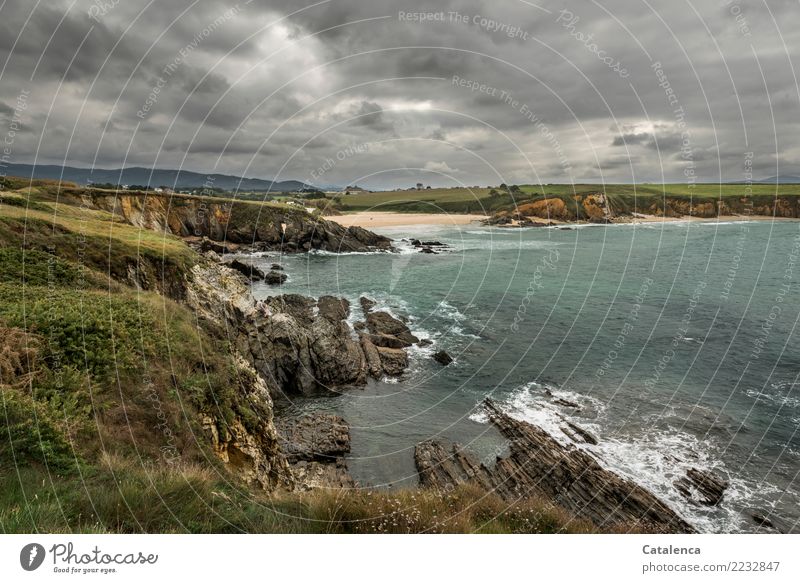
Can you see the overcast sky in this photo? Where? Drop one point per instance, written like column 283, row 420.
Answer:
column 363, row 91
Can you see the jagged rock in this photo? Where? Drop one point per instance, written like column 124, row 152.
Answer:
column 254, row 454
column 385, row 323
column 565, row 403
column 374, row 365
column 321, row 437
column 442, row 358
column 538, row 465
column 702, row 487
column 304, row 352
column 333, row 309
column 314, row 475
column 207, row 244
column 367, row 305
column 428, row 250
column 393, row 360
column 578, row 434
column 424, row 342
column 275, row 278
column 247, row 269
column 386, row 341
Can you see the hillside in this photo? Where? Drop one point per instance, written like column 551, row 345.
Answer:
column 177, row 179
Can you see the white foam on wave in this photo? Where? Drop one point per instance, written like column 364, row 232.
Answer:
column 782, row 393
column 653, row 460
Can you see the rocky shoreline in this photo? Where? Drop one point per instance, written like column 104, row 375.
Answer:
column 288, row 346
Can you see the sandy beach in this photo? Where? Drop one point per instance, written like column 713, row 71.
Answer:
column 371, row 219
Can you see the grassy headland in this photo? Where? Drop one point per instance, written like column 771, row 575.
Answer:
column 623, row 199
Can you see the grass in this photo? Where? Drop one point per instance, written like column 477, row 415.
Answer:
column 124, row 496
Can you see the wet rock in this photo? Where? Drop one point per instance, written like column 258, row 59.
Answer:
column 366, row 304
column 442, row 358
column 385, row 323
column 387, row 341
column 276, row 267
column 537, row 465
column 702, row 487
column 275, row 278
column 374, row 365
column 393, row 360
column 577, row 433
column 424, row 342
column 565, row 402
column 767, row 520
column 252, row 272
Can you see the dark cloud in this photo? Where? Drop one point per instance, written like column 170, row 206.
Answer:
column 244, row 86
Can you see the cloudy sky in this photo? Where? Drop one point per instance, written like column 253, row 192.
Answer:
column 371, row 92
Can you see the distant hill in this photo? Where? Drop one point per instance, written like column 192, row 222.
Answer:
column 147, row 176
column 782, row 179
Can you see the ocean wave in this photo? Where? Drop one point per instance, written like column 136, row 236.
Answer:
column 653, row 460
column 780, row 393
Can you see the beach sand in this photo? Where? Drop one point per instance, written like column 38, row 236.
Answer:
column 371, row 219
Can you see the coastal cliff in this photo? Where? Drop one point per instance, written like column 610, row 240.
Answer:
column 263, row 227
column 597, row 207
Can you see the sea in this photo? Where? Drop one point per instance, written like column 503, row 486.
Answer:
column 674, row 343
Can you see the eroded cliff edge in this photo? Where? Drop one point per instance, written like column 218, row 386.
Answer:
column 265, row 227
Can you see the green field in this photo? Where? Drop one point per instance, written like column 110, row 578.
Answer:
column 624, row 196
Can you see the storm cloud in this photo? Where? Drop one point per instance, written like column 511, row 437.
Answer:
column 445, row 93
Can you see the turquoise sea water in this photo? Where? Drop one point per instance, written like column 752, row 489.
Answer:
column 679, row 342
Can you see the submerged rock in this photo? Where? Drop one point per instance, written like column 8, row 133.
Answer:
column 366, row 304
column 702, row 487
column 275, row 278
column 442, row 358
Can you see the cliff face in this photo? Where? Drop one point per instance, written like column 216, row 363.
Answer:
column 262, row 226
column 594, row 207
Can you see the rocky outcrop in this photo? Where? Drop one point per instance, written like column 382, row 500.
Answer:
column 253, row 454
column 537, row 465
column 258, row 226
column 249, row 270
column 702, row 487
column 275, row 277
column 321, row 437
column 315, row 444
